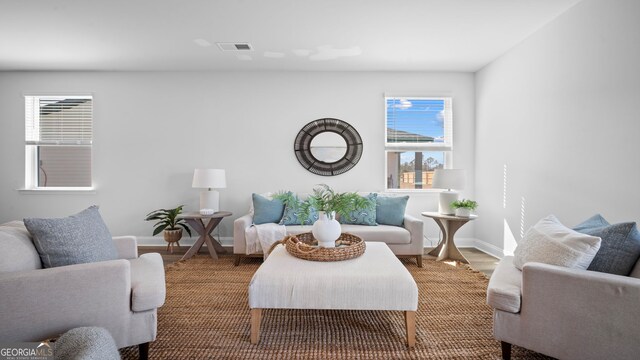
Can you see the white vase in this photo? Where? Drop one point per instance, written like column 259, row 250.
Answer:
column 463, row 212
column 326, row 230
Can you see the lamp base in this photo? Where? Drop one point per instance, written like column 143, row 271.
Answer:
column 210, row 199
column 444, row 203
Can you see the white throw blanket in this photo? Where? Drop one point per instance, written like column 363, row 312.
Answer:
column 261, row 237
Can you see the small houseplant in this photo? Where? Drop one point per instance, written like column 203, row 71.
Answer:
column 168, row 221
column 464, row 207
column 328, row 203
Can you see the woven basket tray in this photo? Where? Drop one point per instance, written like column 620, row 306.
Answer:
column 348, row 246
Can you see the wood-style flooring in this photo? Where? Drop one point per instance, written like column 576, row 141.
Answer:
column 479, row 260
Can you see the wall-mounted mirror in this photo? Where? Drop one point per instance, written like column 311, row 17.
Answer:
column 328, row 147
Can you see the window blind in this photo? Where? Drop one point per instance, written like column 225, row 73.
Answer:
column 58, row 139
column 419, row 122
column 59, row 120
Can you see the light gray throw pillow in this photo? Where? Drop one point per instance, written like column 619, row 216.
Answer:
column 77, row 239
column 552, row 243
column 86, row 343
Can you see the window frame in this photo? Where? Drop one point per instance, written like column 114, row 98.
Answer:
column 31, row 149
column 446, row 148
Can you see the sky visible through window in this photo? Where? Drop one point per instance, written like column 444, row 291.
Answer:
column 421, row 117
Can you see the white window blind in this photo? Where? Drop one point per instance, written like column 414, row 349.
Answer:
column 418, row 140
column 419, row 122
column 59, row 120
column 58, row 139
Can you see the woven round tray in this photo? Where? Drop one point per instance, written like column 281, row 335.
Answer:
column 304, row 246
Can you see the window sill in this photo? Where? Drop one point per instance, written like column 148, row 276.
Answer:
column 59, row 191
column 414, row 191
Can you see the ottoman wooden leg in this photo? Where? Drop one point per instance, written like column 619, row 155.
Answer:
column 256, row 316
column 410, row 321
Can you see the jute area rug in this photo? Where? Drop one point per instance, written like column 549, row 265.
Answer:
column 206, row 316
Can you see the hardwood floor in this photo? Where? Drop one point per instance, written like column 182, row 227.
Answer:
column 479, row 260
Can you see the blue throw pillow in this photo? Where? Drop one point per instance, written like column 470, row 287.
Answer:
column 265, row 210
column 620, row 246
column 292, row 213
column 77, row 239
column 390, row 210
column 364, row 216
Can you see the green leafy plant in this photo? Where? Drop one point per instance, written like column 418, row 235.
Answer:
column 167, row 220
column 324, row 198
column 288, row 199
column 465, row 204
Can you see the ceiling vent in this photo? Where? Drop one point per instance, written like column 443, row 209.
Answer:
column 235, row 46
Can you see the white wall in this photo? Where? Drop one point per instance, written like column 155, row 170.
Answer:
column 560, row 113
column 152, row 129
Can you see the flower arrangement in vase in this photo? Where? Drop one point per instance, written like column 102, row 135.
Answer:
column 328, row 203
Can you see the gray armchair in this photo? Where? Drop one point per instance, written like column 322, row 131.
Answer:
column 119, row 295
column 565, row 313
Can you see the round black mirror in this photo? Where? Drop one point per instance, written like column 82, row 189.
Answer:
column 328, row 147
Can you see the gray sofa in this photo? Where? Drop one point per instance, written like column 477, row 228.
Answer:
column 565, row 313
column 405, row 241
column 119, row 295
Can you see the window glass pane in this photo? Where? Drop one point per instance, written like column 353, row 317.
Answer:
column 64, row 166
column 412, row 170
column 416, row 121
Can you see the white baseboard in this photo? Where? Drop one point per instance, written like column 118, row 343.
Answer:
column 185, row 241
column 478, row 244
column 228, row 241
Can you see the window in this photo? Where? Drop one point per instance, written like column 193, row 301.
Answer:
column 58, row 138
column 418, row 140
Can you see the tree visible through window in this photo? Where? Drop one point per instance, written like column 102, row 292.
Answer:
column 418, row 140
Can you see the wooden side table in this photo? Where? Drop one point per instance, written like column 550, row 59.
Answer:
column 449, row 224
column 196, row 221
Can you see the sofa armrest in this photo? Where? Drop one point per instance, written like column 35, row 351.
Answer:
column 593, row 313
column 38, row 304
column 147, row 282
column 415, row 228
column 240, row 225
column 127, row 247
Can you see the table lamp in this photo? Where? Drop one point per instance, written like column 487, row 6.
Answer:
column 449, row 179
column 209, row 179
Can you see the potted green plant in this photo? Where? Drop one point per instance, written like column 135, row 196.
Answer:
column 169, row 222
column 328, row 203
column 464, row 207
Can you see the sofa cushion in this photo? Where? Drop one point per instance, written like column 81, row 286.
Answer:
column 147, row 282
column 77, row 239
column 382, row 233
column 390, row 209
column 18, row 252
column 364, row 216
column 266, row 210
column 505, row 287
column 620, row 247
column 550, row 242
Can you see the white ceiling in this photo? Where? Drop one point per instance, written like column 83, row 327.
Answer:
column 310, row 35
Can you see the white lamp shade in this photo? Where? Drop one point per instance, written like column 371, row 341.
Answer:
column 209, row 179
column 449, row 179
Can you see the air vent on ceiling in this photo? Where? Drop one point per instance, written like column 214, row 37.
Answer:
column 235, row 46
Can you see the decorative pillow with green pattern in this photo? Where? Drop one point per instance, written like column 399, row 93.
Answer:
column 363, row 216
column 293, row 214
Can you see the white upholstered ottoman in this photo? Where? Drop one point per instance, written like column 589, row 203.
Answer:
column 377, row 280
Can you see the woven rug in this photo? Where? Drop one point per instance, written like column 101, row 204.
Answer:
column 206, row 316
